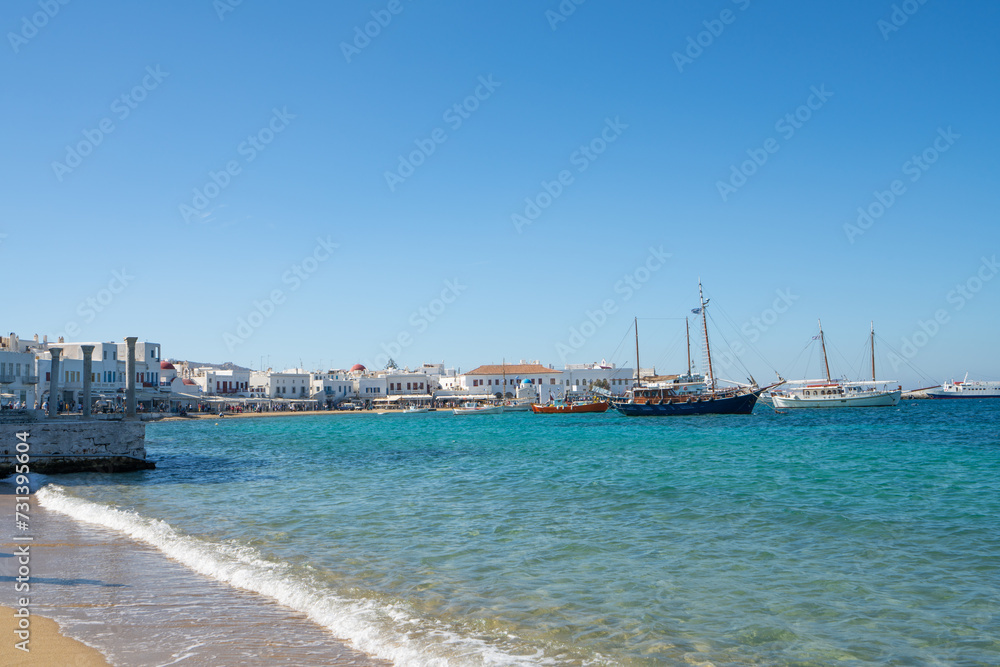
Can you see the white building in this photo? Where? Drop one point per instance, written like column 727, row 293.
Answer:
column 369, row 388
column 18, row 376
column 331, row 387
column 403, row 383
column 289, row 384
column 108, row 372
column 581, row 377
column 219, row 382
column 503, row 379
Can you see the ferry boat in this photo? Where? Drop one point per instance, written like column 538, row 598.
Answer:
column 832, row 393
column 690, row 394
column 965, row 389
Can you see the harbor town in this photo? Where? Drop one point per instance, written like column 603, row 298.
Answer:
column 57, row 376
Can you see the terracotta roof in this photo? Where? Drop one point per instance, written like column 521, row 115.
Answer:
column 189, row 382
column 512, row 369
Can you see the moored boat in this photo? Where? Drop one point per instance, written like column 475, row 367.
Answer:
column 475, row 409
column 832, row 393
column 691, row 394
column 965, row 389
column 570, row 408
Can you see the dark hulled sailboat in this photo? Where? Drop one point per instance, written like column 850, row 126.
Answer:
column 690, row 395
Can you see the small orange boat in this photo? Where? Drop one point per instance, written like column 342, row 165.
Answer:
column 564, row 408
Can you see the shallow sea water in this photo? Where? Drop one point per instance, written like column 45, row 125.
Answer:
column 853, row 537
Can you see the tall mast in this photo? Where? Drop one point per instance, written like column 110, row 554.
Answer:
column 822, row 341
column 638, row 371
column 687, row 330
column 873, row 350
column 704, row 324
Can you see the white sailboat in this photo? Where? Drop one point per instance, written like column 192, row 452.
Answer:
column 832, row 393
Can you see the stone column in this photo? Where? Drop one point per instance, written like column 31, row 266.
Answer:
column 54, row 382
column 130, row 377
column 88, row 366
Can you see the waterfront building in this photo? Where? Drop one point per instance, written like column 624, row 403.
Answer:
column 222, row 382
column 580, row 378
column 18, row 376
column 288, row 384
column 502, row 380
column 330, row 387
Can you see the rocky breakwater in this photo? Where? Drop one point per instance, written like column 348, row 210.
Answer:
column 66, row 444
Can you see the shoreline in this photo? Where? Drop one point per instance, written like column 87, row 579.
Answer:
column 99, row 597
column 303, row 413
column 47, row 645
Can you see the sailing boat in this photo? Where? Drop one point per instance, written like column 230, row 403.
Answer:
column 690, row 394
column 837, row 393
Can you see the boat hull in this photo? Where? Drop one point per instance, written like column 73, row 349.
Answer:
column 570, row 409
column 741, row 404
column 881, row 400
column 493, row 410
column 953, row 395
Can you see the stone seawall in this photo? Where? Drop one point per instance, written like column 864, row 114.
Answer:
column 57, row 446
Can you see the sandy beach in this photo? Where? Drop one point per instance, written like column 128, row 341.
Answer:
column 98, row 597
column 46, row 646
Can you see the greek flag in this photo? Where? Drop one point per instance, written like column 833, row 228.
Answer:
column 696, row 311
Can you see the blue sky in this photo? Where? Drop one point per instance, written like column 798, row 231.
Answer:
column 257, row 153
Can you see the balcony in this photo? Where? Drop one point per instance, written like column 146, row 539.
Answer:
column 6, row 378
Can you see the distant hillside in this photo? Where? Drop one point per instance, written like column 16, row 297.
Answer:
column 227, row 366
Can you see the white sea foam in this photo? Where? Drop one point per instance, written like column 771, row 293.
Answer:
column 374, row 627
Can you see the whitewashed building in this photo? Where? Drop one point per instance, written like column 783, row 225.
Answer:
column 331, row 387
column 580, row 377
column 219, row 382
column 289, row 384
column 18, row 375
column 503, row 379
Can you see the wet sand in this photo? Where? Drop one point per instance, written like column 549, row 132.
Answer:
column 46, row 646
column 138, row 607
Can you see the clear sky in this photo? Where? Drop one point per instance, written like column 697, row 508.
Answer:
column 266, row 183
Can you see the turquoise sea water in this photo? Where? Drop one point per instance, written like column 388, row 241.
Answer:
column 853, row 537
